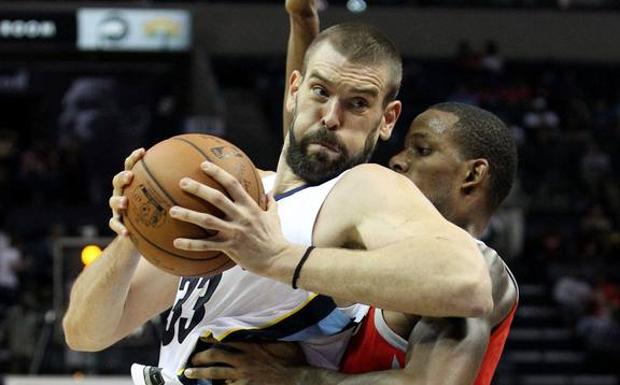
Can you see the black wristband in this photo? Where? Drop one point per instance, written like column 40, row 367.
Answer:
column 300, row 265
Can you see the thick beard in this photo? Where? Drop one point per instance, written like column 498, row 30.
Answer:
column 318, row 168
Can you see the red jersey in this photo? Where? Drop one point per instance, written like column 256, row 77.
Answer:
column 376, row 347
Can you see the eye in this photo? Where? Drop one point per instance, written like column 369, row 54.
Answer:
column 319, row 91
column 423, row 150
column 359, row 103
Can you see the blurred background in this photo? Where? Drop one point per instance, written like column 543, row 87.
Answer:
column 84, row 82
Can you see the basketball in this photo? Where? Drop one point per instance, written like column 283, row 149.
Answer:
column 155, row 189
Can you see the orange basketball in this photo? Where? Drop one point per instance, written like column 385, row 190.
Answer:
column 155, row 189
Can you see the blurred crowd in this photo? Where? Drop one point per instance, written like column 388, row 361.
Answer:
column 559, row 227
column 452, row 3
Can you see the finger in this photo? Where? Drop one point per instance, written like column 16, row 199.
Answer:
column 211, row 195
column 271, row 202
column 204, row 220
column 133, row 158
column 198, row 245
column 118, row 203
column 120, row 181
column 117, row 226
column 215, row 354
column 263, row 202
column 213, row 373
column 237, row 382
column 230, row 183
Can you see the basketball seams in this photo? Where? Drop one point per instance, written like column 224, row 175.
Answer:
column 158, row 170
column 158, row 247
column 151, row 176
column 256, row 178
column 159, row 186
column 194, row 147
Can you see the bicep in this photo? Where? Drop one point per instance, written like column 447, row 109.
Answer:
column 447, row 351
column 151, row 292
column 388, row 210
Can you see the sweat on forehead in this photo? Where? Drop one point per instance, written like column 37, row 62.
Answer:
column 437, row 121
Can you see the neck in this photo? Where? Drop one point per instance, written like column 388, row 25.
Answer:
column 475, row 227
column 286, row 179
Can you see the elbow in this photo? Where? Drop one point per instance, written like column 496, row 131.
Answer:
column 478, row 299
column 476, row 286
column 75, row 339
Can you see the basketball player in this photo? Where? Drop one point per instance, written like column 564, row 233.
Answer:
column 345, row 101
column 428, row 349
column 463, row 159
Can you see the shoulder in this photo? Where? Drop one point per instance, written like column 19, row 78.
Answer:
column 505, row 290
column 377, row 186
column 465, row 336
column 371, row 206
column 371, row 172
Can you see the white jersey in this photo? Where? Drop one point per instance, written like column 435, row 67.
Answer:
column 239, row 305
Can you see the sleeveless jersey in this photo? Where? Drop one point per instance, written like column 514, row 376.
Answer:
column 239, row 305
column 375, row 347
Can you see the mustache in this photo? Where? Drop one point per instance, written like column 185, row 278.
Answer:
column 322, row 135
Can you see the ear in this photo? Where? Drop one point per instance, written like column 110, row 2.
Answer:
column 294, row 83
column 390, row 116
column 477, row 174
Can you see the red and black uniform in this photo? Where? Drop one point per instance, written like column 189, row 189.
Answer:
column 376, row 347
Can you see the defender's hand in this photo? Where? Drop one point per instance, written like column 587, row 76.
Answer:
column 251, row 363
column 301, row 8
column 118, row 203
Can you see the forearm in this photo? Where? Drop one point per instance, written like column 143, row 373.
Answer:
column 98, row 298
column 304, row 27
column 430, row 276
column 315, row 376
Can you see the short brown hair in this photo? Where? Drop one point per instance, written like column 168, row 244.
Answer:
column 364, row 44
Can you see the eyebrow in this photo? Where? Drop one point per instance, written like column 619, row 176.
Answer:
column 418, row 135
column 369, row 91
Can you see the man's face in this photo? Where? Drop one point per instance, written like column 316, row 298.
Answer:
column 339, row 113
column 431, row 159
column 89, row 109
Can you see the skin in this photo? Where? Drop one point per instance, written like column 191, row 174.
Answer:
column 347, row 99
column 432, row 159
column 303, row 21
column 423, row 251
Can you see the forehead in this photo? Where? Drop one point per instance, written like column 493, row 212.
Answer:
column 433, row 125
column 333, row 66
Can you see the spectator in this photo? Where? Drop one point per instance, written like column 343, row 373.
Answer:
column 492, row 61
column 10, row 265
column 106, row 120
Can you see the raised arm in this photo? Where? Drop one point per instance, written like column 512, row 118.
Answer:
column 120, row 290
column 304, row 26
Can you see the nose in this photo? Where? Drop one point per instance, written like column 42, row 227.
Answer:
column 332, row 115
column 400, row 163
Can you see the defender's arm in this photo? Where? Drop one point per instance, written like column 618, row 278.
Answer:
column 304, row 26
